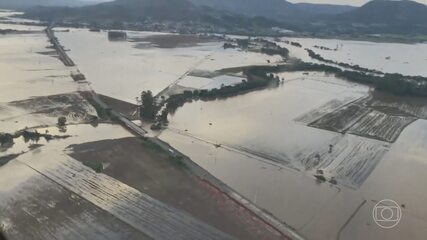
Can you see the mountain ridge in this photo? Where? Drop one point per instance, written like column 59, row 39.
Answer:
column 399, row 17
column 22, row 4
column 375, row 17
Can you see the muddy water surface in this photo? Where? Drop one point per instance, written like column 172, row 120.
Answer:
column 124, row 69
column 259, row 145
column 407, row 59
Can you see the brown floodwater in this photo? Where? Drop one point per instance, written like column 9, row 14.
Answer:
column 257, row 145
column 123, row 70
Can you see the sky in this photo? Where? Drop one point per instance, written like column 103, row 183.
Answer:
column 343, row 2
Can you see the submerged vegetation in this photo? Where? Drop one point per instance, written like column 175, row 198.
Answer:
column 6, row 139
column 316, row 56
column 62, row 121
column 256, row 78
column 258, row 45
column 157, row 110
column 295, row 44
column 393, row 83
column 263, row 76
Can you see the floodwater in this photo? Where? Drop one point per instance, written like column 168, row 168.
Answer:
column 258, row 144
column 264, row 121
column 123, row 70
column 30, row 69
column 407, row 59
column 11, row 16
column 28, row 73
column 34, row 204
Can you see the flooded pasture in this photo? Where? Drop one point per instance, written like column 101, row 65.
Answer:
column 87, row 202
column 29, row 79
column 268, row 145
column 122, row 69
column 406, row 59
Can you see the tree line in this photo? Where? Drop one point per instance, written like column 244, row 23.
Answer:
column 395, row 83
column 256, row 78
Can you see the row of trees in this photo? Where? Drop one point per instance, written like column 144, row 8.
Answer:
column 394, row 83
column 158, row 112
column 259, row 77
column 316, row 56
column 7, row 139
column 256, row 79
column 272, row 48
column 267, row 47
column 295, row 44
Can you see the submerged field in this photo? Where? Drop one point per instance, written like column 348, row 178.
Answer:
column 284, row 135
column 406, row 59
column 46, row 193
column 267, row 145
column 124, row 69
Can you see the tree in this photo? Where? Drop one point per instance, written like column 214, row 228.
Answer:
column 31, row 136
column 148, row 105
column 164, row 116
column 62, row 121
column 5, row 139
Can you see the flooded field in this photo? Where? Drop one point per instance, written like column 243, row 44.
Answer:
column 407, row 59
column 81, row 195
column 268, row 145
column 152, row 67
column 22, row 184
column 31, row 78
column 57, row 197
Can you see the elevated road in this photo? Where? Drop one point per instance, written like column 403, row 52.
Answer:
column 63, row 56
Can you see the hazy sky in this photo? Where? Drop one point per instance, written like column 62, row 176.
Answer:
column 343, row 2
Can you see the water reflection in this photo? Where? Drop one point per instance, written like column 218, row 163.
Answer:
column 258, row 135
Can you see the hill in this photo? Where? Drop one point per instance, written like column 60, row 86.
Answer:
column 132, row 10
column 251, row 16
column 384, row 16
column 273, row 9
column 22, row 4
column 388, row 12
column 147, row 14
column 324, row 8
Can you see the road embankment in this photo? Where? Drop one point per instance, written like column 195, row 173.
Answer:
column 63, row 56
